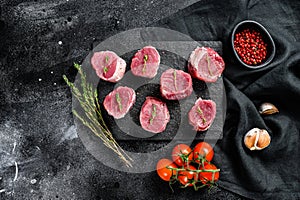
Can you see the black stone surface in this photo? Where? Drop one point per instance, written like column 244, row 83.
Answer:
column 39, row 41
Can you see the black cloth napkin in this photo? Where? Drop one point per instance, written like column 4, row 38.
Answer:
column 272, row 173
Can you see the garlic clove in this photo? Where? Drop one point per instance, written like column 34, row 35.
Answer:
column 264, row 139
column 257, row 139
column 267, row 109
column 250, row 138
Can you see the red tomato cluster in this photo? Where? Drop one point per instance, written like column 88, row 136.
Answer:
column 189, row 167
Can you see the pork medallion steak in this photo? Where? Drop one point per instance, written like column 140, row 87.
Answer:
column 108, row 66
column 205, row 64
column 118, row 102
column 202, row 114
column 145, row 62
column 154, row 115
column 175, row 84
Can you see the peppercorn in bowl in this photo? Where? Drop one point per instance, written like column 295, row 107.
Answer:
column 252, row 44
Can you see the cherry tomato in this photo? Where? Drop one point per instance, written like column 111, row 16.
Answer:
column 187, row 176
column 208, row 178
column 203, row 150
column 163, row 172
column 182, row 154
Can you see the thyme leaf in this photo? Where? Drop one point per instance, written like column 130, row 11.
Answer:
column 145, row 62
column 119, row 100
column 105, row 70
column 175, row 80
column 208, row 65
column 153, row 113
column 201, row 114
column 87, row 96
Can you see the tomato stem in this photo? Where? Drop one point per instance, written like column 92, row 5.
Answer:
column 197, row 170
column 196, row 178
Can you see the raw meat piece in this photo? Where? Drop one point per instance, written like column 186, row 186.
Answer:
column 108, row 65
column 154, row 115
column 175, row 84
column 145, row 62
column 202, row 114
column 118, row 102
column 205, row 64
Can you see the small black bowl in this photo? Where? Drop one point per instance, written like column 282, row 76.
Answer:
column 253, row 25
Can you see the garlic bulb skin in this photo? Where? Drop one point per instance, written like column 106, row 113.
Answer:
column 267, row 109
column 257, row 139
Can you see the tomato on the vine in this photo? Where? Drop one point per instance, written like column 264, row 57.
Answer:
column 163, row 172
column 186, row 177
column 203, row 150
column 182, row 154
column 207, row 178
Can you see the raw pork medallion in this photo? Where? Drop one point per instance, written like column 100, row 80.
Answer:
column 154, row 115
column 205, row 64
column 108, row 66
column 202, row 114
column 175, row 84
column 145, row 62
column 118, row 102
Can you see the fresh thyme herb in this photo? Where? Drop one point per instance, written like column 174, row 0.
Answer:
column 175, row 80
column 153, row 113
column 145, row 63
column 201, row 114
column 208, row 65
column 119, row 100
column 105, row 69
column 87, row 96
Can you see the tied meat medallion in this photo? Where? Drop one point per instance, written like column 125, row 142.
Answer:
column 205, row 64
column 154, row 115
column 108, row 66
column 145, row 62
column 202, row 114
column 175, row 84
column 118, row 102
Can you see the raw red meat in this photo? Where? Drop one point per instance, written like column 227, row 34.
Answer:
column 202, row 114
column 205, row 64
column 108, row 65
column 175, row 84
column 118, row 102
column 154, row 115
column 145, row 62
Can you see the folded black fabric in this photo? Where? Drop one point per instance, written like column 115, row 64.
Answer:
column 272, row 173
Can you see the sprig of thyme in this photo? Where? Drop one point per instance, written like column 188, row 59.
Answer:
column 201, row 114
column 105, row 69
column 93, row 119
column 145, row 63
column 175, row 79
column 118, row 99
column 153, row 113
column 208, row 65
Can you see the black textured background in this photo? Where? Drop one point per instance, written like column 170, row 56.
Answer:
column 39, row 41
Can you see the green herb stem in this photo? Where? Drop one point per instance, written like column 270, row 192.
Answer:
column 175, row 79
column 92, row 118
column 119, row 101
column 201, row 114
column 153, row 113
column 208, row 65
column 145, row 63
